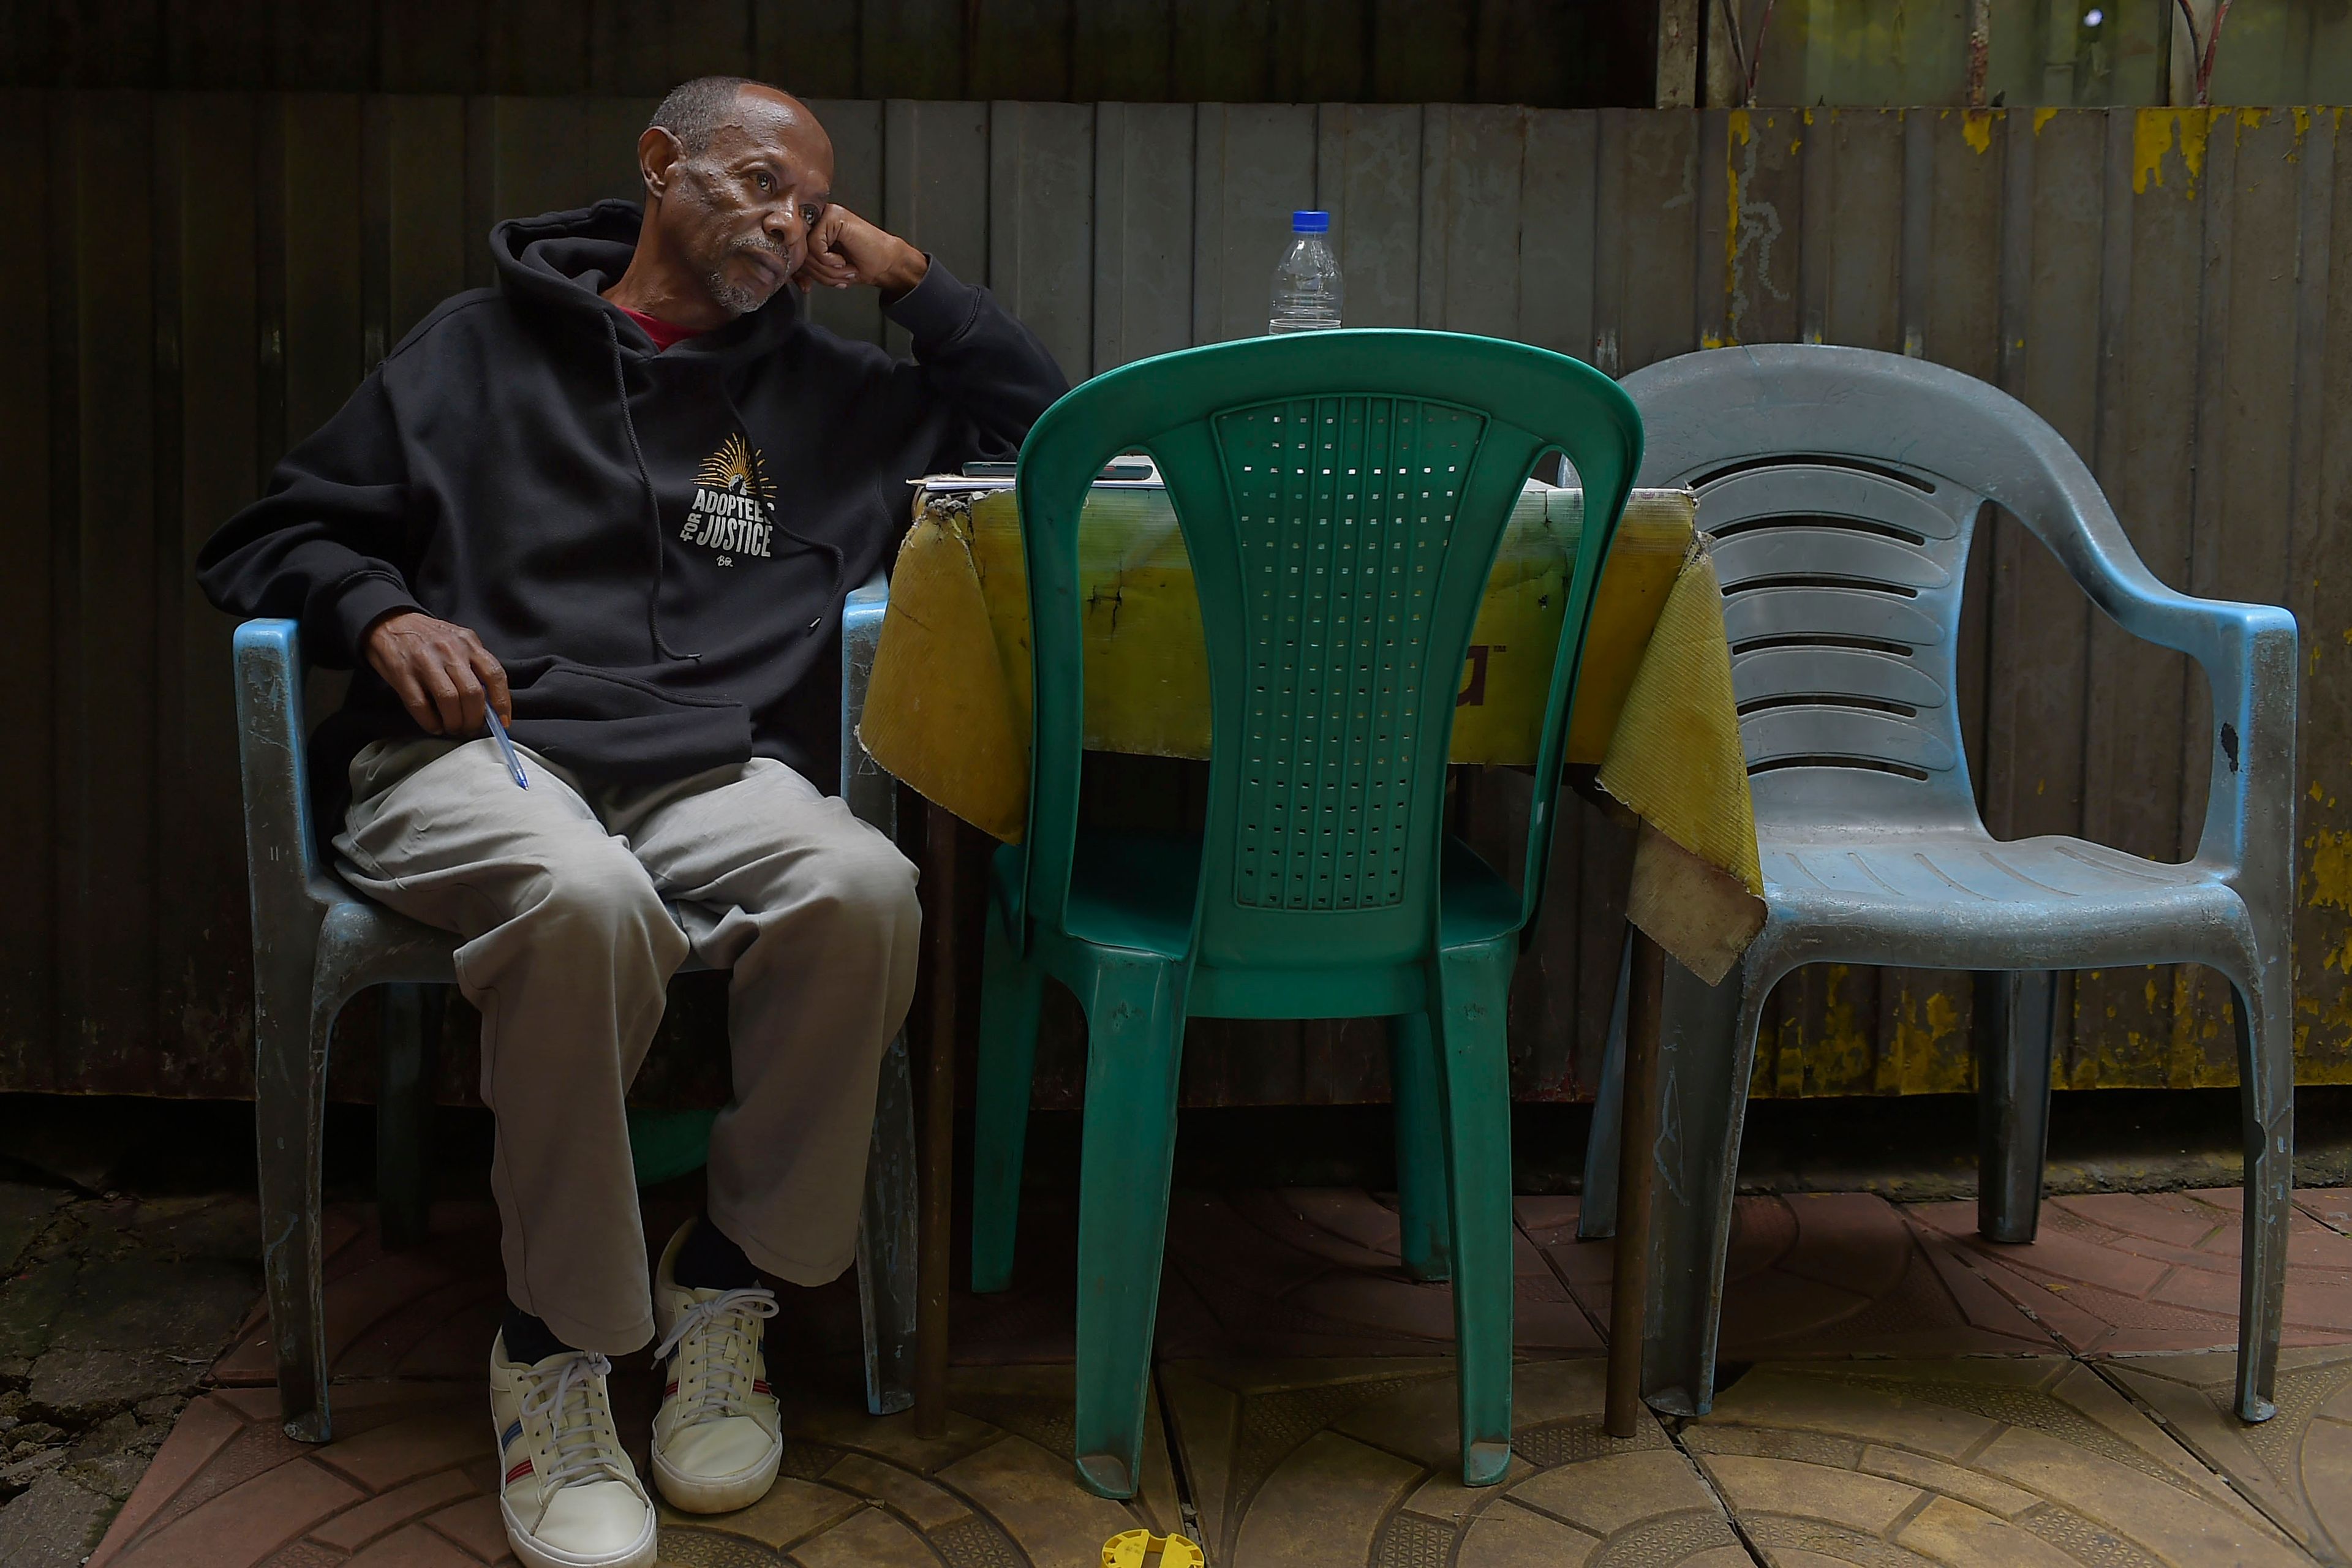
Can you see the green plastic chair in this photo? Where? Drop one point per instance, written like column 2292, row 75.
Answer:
column 1341, row 496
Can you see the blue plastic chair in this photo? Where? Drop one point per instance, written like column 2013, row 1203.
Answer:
column 1842, row 486
column 317, row 944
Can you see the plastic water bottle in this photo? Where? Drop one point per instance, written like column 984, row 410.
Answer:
column 1306, row 283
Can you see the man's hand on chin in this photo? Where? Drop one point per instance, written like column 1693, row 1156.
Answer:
column 442, row 673
column 845, row 249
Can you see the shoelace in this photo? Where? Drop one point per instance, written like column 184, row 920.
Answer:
column 584, row 1453
column 732, row 1318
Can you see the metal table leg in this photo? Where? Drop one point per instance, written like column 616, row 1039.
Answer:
column 1636, row 1187
column 936, row 1211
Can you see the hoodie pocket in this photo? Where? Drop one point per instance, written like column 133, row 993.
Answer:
column 620, row 728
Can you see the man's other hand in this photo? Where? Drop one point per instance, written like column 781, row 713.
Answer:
column 843, row 248
column 442, row 673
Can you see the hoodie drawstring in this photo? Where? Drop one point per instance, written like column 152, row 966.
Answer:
column 653, row 502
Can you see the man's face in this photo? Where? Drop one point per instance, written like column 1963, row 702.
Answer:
column 740, row 210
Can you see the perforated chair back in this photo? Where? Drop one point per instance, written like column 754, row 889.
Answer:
column 1341, row 496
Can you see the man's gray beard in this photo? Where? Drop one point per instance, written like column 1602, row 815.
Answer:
column 738, row 299
column 735, row 299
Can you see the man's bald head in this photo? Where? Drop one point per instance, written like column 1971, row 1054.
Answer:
column 694, row 111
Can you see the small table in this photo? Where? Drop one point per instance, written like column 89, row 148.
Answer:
column 1654, row 723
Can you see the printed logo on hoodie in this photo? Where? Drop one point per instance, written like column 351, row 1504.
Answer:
column 733, row 508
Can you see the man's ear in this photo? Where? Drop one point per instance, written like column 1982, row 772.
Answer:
column 657, row 150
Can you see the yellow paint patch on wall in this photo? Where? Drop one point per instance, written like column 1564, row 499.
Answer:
column 1975, row 129
column 1932, row 1047
column 1840, row 1061
column 2329, row 885
column 2042, row 117
column 2155, row 132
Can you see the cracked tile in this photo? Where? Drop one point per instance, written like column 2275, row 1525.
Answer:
column 2297, row 1466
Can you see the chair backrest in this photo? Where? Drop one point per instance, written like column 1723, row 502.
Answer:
column 1341, row 496
column 1841, row 488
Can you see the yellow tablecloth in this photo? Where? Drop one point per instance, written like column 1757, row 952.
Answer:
column 948, row 708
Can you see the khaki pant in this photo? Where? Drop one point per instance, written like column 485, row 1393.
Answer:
column 564, row 893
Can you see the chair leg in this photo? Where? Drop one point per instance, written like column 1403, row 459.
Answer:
column 1596, row 1211
column 1012, row 990
column 1707, row 1047
column 2013, row 1101
column 1472, row 1014
column 404, row 1114
column 290, row 1113
column 886, row 1240
column 1135, row 1033
column 1420, row 1149
column 2266, row 1110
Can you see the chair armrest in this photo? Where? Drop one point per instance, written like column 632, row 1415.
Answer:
column 281, row 860
column 2248, row 652
column 872, row 793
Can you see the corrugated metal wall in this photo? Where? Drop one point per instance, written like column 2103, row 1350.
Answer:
column 200, row 278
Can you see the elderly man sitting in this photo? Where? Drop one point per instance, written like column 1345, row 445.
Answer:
column 619, row 500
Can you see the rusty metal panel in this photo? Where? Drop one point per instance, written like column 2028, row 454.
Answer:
column 935, row 187
column 424, row 200
column 2243, row 519
column 1860, row 273
column 1764, row 201
column 1658, row 205
column 1473, row 160
column 2138, row 744
column 209, row 384
column 1368, row 175
column 2320, row 592
column 1252, row 166
column 105, row 578
column 30, row 378
column 1556, row 196
column 1142, row 231
column 1041, row 246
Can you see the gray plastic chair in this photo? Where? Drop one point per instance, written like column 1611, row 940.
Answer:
column 317, row 944
column 1842, row 487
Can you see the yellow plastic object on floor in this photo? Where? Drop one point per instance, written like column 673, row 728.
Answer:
column 1134, row 1548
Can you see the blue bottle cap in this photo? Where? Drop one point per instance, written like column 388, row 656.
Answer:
column 1310, row 223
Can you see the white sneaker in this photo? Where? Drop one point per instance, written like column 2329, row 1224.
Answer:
column 571, row 1498
column 717, row 1438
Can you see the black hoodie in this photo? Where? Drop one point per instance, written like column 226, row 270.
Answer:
column 655, row 545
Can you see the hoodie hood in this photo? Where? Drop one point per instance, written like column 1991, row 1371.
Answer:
column 562, row 263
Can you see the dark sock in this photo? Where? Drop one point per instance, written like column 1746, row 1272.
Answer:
column 529, row 1340
column 709, row 1261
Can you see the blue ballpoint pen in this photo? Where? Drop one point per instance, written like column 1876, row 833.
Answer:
column 506, row 749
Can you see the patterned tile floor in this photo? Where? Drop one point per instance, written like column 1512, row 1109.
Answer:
column 1898, row 1393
